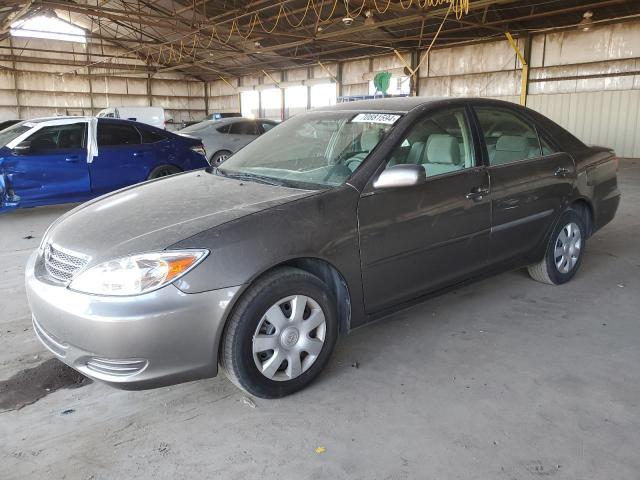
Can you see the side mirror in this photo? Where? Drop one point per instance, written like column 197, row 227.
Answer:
column 403, row 175
column 22, row 148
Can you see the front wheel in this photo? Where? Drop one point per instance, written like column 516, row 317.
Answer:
column 564, row 251
column 280, row 335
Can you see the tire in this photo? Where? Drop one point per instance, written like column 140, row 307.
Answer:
column 241, row 356
column 219, row 157
column 560, row 262
column 163, row 171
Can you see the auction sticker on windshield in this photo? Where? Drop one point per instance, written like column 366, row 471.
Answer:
column 385, row 118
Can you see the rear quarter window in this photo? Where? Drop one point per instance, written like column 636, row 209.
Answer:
column 151, row 136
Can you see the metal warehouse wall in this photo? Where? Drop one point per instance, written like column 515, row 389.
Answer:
column 608, row 118
column 589, row 82
column 43, row 83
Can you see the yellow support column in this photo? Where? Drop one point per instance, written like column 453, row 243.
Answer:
column 525, row 69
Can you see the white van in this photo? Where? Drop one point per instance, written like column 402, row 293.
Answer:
column 150, row 115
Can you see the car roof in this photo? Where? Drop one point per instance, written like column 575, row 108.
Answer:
column 240, row 119
column 100, row 119
column 74, row 117
column 228, row 120
column 48, row 119
column 406, row 104
column 395, row 104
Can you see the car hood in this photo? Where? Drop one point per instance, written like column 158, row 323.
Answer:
column 160, row 213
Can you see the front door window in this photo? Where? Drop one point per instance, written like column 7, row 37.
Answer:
column 58, row 137
column 440, row 142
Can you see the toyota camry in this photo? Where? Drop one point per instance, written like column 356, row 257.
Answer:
column 333, row 218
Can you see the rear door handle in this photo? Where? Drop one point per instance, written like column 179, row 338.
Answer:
column 73, row 159
column 477, row 193
column 562, row 172
column 138, row 154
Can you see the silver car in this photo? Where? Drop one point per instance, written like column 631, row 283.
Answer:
column 221, row 138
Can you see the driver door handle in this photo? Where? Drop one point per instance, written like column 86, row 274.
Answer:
column 72, row 159
column 478, row 193
column 562, row 172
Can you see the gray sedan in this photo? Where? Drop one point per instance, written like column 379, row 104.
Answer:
column 222, row 138
column 327, row 222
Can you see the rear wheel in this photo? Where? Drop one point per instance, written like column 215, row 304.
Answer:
column 280, row 335
column 163, row 171
column 219, row 157
column 564, row 251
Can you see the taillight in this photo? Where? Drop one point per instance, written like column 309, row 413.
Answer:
column 199, row 149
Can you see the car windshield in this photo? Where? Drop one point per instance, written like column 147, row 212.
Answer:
column 311, row 150
column 13, row 132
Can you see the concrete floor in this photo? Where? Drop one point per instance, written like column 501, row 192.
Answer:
column 502, row 379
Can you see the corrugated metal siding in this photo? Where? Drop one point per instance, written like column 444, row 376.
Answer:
column 608, row 118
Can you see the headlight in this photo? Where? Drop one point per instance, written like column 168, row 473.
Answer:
column 137, row 274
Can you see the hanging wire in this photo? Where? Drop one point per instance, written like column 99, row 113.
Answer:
column 459, row 7
column 319, row 12
column 304, row 15
column 433, row 40
column 384, row 10
column 354, row 14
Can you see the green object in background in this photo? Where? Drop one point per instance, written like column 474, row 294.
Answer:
column 381, row 82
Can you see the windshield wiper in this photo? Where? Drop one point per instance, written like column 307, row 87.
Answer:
column 248, row 176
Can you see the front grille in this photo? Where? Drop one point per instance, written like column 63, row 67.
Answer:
column 62, row 265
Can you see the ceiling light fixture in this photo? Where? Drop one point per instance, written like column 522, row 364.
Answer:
column 348, row 21
column 369, row 19
column 586, row 23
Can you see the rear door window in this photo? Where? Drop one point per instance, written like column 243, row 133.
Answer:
column 244, row 128
column 508, row 137
column 113, row 134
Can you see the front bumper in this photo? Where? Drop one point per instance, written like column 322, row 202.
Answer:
column 146, row 341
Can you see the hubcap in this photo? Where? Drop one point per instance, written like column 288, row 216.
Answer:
column 219, row 159
column 289, row 338
column 567, row 248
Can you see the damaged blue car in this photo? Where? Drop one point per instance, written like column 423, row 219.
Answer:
column 72, row 159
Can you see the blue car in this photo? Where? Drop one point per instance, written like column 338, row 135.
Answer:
column 73, row 159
